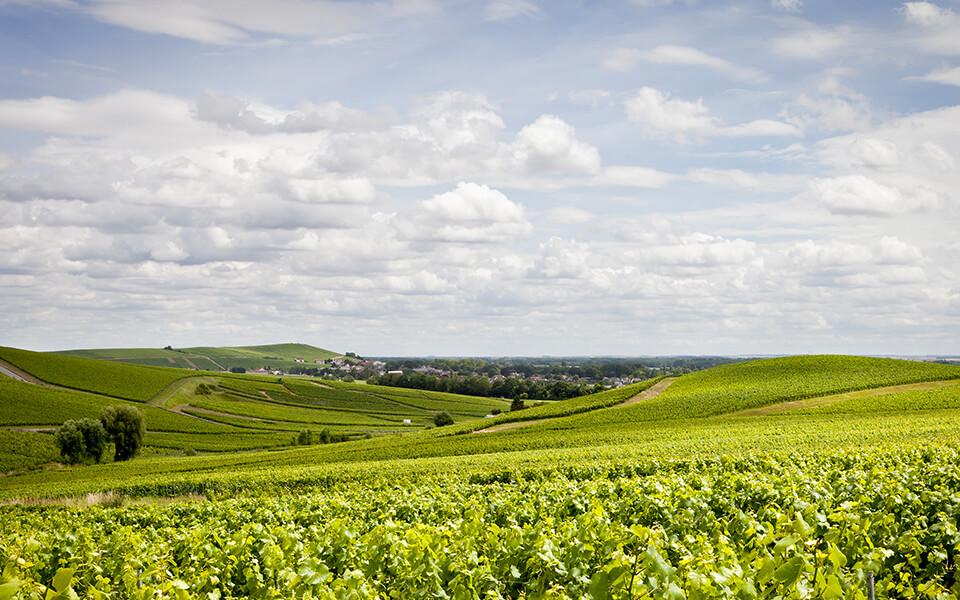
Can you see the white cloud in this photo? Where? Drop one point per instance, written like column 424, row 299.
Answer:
column 569, row 215
column 223, row 22
column 861, row 195
column 549, row 144
column 471, row 213
column 945, row 75
column 813, row 43
column 687, row 56
column 659, row 114
column 926, row 14
column 939, row 28
column 631, row 176
column 502, row 10
column 834, row 107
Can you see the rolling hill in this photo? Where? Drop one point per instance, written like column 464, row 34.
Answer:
column 243, row 412
column 787, row 477
column 209, row 358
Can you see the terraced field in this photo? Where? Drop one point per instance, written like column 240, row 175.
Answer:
column 243, row 412
column 784, row 478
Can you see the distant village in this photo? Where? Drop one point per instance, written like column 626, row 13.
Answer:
column 538, row 378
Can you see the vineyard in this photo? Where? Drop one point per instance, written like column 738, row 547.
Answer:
column 783, row 478
column 801, row 526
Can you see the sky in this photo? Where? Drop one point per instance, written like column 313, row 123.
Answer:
column 499, row 177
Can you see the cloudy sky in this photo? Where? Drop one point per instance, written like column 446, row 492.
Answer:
column 502, row 177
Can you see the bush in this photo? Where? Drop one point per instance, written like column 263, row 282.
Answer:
column 442, row 419
column 125, row 427
column 205, row 389
column 81, row 440
column 517, row 404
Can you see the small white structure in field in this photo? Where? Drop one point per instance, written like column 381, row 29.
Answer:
column 407, row 422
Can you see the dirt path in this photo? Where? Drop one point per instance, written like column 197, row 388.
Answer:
column 14, row 372
column 38, row 429
column 651, row 392
column 833, row 398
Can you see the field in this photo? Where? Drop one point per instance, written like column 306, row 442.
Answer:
column 274, row 356
column 781, row 478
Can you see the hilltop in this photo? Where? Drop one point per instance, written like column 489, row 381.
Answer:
column 212, row 358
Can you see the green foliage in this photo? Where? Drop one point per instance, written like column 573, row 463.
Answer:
column 205, row 389
column 740, row 386
column 125, row 427
column 81, row 440
column 70, row 442
column 804, row 525
column 442, row 419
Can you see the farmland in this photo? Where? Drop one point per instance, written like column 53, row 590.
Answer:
column 243, row 413
column 792, row 477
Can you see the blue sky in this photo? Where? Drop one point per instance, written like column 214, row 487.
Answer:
column 499, row 177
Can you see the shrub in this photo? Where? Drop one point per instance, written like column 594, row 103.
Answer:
column 517, row 404
column 125, row 426
column 442, row 419
column 205, row 389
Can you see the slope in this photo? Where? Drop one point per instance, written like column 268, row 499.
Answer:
column 278, row 356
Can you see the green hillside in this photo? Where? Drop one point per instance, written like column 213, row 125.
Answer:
column 241, row 413
column 790, row 477
column 273, row 356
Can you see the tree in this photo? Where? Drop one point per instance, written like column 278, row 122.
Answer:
column 70, row 441
column 125, row 426
column 442, row 418
column 517, row 403
column 80, row 440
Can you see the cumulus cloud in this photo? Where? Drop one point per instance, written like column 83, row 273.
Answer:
column 550, row 144
column 659, row 114
column 470, row 213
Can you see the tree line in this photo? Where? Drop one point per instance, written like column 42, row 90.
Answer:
column 499, row 387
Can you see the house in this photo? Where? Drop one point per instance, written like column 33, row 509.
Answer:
column 394, row 372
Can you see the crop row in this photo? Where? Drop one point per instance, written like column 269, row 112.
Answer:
column 806, row 525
